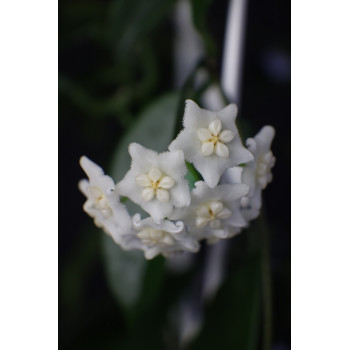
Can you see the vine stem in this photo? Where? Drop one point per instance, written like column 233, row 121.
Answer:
column 233, row 49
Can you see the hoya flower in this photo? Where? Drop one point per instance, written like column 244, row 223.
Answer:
column 210, row 140
column 256, row 174
column 233, row 232
column 156, row 181
column 214, row 212
column 153, row 238
column 102, row 202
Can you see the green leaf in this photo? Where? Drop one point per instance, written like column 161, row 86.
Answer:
column 129, row 273
column 193, row 175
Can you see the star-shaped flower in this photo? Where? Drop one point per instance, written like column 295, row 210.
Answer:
column 103, row 203
column 156, row 181
column 214, row 212
column 153, row 238
column 210, row 141
column 256, row 174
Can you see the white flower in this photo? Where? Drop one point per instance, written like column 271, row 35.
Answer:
column 256, row 174
column 156, row 181
column 214, row 212
column 102, row 201
column 154, row 238
column 210, row 141
column 233, row 232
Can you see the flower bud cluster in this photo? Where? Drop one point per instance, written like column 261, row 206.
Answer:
column 222, row 202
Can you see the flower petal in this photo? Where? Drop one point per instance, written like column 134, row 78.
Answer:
column 143, row 159
column 226, row 136
column 238, row 153
column 232, row 175
column 224, row 214
column 264, row 138
column 201, row 222
column 90, row 168
column 207, row 148
column 150, row 253
column 216, row 207
column 215, row 126
column 167, row 239
column 236, row 219
column 155, row 174
column 228, row 114
column 166, row 182
column 147, row 194
column 196, row 117
column 215, row 223
column 203, row 211
column 162, row 195
column 231, row 193
column 143, row 235
column 203, row 134
column 221, row 150
column 143, row 180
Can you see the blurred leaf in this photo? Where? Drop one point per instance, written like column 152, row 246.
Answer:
column 135, row 282
column 200, row 9
column 199, row 12
column 115, row 105
column 232, row 321
column 125, row 270
column 130, row 21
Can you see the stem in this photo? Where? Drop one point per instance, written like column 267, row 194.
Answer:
column 233, row 49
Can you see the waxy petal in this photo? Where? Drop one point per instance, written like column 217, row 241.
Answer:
column 203, row 134
column 215, row 126
column 168, row 240
column 224, row 214
column 201, row 221
column 143, row 180
column 165, row 237
column 155, row 174
column 147, row 194
column 215, row 223
column 216, row 207
column 207, row 148
column 162, row 195
column 203, row 211
column 221, row 150
column 166, row 182
column 226, row 136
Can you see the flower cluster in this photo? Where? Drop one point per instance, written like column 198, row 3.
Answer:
column 225, row 198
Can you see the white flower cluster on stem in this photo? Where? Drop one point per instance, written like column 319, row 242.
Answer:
column 216, row 208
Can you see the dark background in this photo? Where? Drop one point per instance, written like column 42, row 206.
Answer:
column 115, row 57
